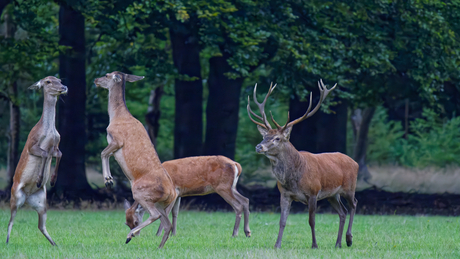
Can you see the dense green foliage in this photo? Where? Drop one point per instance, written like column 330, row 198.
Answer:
column 88, row 234
column 433, row 141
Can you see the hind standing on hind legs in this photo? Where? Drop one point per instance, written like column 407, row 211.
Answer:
column 130, row 144
column 33, row 170
column 303, row 176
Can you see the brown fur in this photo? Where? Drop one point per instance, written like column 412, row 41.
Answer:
column 130, row 144
column 307, row 177
column 33, row 169
column 201, row 175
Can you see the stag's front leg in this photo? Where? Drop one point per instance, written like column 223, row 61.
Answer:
column 105, row 155
column 285, row 208
column 311, row 220
column 58, row 154
column 36, row 150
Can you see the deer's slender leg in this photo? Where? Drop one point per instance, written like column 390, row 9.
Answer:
column 285, row 204
column 311, row 219
column 245, row 202
column 352, row 202
column 233, row 201
column 342, row 211
column 175, row 213
column 154, row 215
column 17, row 200
column 105, row 155
column 168, row 210
column 166, row 224
column 58, row 155
column 38, row 202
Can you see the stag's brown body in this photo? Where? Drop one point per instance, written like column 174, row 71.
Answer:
column 201, row 175
column 34, row 168
column 307, row 177
column 130, row 144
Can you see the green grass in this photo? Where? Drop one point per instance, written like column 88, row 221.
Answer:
column 102, row 234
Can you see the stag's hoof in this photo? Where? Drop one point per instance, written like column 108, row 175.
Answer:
column 39, row 185
column 248, row 234
column 128, row 239
column 349, row 243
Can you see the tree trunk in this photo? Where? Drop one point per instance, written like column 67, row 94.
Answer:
column 222, row 109
column 15, row 113
column 188, row 129
column 72, row 182
column 152, row 118
column 322, row 132
column 361, row 121
column 13, row 133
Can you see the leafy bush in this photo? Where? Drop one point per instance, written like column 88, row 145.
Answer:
column 432, row 141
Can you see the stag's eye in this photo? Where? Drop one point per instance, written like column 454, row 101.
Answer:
column 135, row 223
column 277, row 139
column 48, row 82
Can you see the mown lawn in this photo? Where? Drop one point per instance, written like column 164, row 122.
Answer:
column 102, row 234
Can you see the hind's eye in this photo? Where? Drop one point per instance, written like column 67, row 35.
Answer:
column 48, row 82
column 277, row 139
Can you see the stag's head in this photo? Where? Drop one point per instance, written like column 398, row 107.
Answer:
column 275, row 140
column 115, row 78
column 50, row 85
column 134, row 215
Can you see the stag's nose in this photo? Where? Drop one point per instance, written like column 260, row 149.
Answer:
column 259, row 148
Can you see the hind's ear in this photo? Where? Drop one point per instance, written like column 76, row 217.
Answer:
column 126, row 204
column 133, row 78
column 36, row 86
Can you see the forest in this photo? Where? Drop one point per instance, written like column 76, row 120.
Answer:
column 395, row 64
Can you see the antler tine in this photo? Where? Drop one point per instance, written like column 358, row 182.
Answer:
column 262, row 105
column 276, row 124
column 249, row 114
column 323, row 94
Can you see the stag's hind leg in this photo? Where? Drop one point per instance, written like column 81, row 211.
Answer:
column 352, row 202
column 38, row 202
column 17, row 200
column 342, row 211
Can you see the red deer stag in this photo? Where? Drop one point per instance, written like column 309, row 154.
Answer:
column 200, row 175
column 129, row 142
column 33, row 170
column 303, row 176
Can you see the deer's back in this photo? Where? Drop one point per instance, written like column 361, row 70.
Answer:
column 200, row 175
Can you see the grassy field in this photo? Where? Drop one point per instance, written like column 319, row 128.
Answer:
column 102, row 234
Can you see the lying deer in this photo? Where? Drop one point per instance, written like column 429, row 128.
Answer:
column 34, row 166
column 303, row 176
column 130, row 144
column 201, row 175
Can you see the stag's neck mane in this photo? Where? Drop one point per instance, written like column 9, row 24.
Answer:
column 287, row 164
column 117, row 104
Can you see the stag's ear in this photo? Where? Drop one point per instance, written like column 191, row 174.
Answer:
column 263, row 131
column 126, row 205
column 36, row 86
column 287, row 132
column 133, row 78
column 116, row 78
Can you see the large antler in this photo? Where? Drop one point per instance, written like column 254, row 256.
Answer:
column 261, row 106
column 323, row 94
